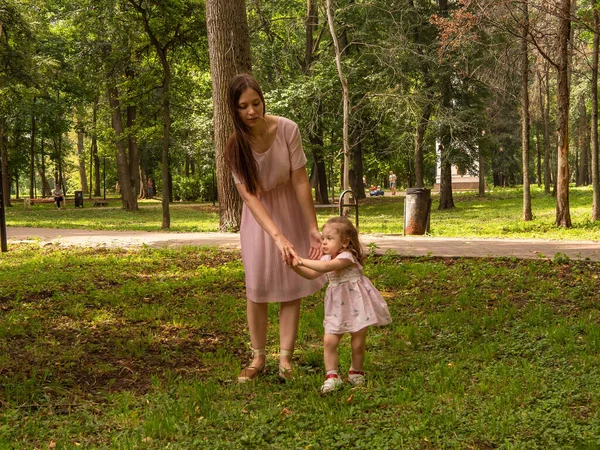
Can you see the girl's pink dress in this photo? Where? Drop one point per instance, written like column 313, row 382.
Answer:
column 351, row 301
column 267, row 278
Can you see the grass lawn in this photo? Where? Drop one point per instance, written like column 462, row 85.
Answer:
column 140, row 349
column 498, row 214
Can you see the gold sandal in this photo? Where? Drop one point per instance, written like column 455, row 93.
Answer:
column 252, row 372
column 286, row 374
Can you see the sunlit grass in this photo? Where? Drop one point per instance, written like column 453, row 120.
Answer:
column 498, row 214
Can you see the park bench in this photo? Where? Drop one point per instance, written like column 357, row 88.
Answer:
column 27, row 202
column 100, row 202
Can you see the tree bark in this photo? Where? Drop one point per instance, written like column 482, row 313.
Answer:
column 583, row 169
column 345, row 96
column 527, row 216
column 545, row 113
column 128, row 197
column 594, row 131
column 481, row 174
column 95, row 156
column 134, row 156
column 81, row 151
column 229, row 53
column 563, row 214
column 32, row 155
column 315, row 135
column 4, row 164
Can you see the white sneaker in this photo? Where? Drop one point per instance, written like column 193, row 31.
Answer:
column 332, row 382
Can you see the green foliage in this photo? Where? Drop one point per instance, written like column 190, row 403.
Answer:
column 193, row 188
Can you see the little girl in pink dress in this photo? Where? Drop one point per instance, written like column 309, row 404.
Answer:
column 352, row 303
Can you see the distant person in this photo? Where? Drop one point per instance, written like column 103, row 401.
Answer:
column 57, row 194
column 150, row 188
column 117, row 188
column 352, row 303
column 375, row 191
column 393, row 180
column 364, row 181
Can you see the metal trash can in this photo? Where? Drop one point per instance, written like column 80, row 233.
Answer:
column 78, row 199
column 417, row 207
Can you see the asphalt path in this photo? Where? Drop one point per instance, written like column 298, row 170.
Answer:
column 402, row 245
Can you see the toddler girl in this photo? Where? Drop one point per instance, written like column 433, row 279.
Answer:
column 352, row 303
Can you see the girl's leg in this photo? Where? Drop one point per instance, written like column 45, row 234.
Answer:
column 358, row 343
column 330, row 351
column 289, row 315
column 257, row 324
column 330, row 354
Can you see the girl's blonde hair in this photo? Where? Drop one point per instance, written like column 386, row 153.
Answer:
column 348, row 231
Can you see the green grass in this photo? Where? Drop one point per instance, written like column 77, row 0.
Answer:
column 498, row 214
column 140, row 349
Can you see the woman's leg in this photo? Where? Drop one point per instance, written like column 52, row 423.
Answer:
column 289, row 315
column 257, row 325
column 330, row 351
column 358, row 343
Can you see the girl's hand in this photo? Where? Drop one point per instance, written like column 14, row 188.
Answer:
column 288, row 252
column 297, row 262
column 316, row 245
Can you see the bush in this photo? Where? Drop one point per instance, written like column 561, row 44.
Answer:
column 191, row 189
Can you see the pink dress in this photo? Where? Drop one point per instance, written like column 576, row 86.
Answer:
column 267, row 278
column 351, row 301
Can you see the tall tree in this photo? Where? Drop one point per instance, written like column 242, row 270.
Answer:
column 229, row 50
column 525, row 110
column 563, row 214
column 594, row 131
column 345, row 95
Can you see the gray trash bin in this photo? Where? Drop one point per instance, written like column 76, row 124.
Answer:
column 417, row 207
column 78, row 199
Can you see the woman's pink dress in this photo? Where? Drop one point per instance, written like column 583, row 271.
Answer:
column 268, row 279
column 351, row 301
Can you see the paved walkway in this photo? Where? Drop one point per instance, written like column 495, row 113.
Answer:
column 403, row 245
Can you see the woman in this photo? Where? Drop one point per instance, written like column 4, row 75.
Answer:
column 57, row 193
column 278, row 219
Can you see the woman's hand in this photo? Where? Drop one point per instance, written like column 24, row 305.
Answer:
column 288, row 252
column 316, row 245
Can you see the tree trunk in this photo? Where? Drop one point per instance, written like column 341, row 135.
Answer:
column 316, row 140
column 95, row 156
column 46, row 189
column 229, row 51
column 446, row 199
column 32, row 155
column 594, row 136
column 134, row 157
column 545, row 112
column 582, row 174
column 357, row 166
column 525, row 113
column 128, row 197
column 315, row 135
column 4, row 164
column 538, row 153
column 481, row 174
column 563, row 214
column 345, row 96
column 419, row 138
column 81, row 152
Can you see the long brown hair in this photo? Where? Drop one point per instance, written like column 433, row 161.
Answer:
column 348, row 231
column 238, row 154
